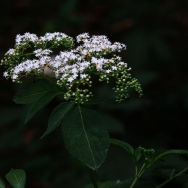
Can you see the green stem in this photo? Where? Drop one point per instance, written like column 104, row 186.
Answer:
column 137, row 175
column 136, row 170
column 171, row 178
column 93, row 178
column 26, row 54
column 134, row 182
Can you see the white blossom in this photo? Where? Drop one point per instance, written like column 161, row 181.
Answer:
column 5, row 74
column 21, row 39
column 40, row 52
column 10, row 52
column 114, row 68
column 70, row 79
column 82, row 36
column 83, row 75
column 74, row 67
column 108, row 71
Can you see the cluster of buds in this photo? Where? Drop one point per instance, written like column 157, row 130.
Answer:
column 74, row 67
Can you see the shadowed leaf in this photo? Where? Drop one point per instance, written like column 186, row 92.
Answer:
column 34, row 91
column 40, row 103
column 16, row 178
column 2, row 183
column 86, row 136
column 57, row 116
column 160, row 155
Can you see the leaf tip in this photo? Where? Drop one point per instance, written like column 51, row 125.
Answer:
column 42, row 136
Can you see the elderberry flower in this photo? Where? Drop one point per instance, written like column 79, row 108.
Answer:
column 73, row 68
column 40, row 52
column 82, row 36
column 23, row 39
column 10, row 52
column 5, row 74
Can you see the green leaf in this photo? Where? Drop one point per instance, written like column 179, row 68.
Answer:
column 2, row 183
column 40, row 103
column 160, row 155
column 124, row 145
column 34, row 91
column 137, row 154
column 86, row 136
column 16, row 178
column 57, row 116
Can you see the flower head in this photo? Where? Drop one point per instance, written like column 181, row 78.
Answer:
column 73, row 68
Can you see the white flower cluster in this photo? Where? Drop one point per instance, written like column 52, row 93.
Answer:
column 18, row 62
column 40, row 52
column 97, row 44
column 21, row 39
column 73, row 68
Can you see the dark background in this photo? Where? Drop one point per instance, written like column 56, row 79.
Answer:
column 155, row 32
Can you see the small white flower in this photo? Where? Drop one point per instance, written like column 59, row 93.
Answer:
column 70, row 79
column 82, row 37
column 69, row 67
column 83, row 75
column 14, row 76
column 10, row 52
column 18, row 39
column 74, row 76
column 5, row 74
column 114, row 68
column 108, row 71
column 40, row 52
column 21, row 39
column 121, row 63
column 74, row 70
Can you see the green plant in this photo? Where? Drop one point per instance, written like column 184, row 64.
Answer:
column 72, row 75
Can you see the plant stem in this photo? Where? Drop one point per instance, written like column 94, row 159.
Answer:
column 93, row 178
column 134, row 182
column 137, row 174
column 171, row 178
